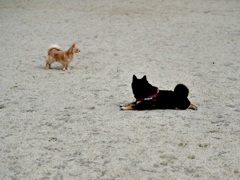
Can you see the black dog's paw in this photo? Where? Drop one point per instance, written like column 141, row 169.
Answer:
column 124, row 108
column 127, row 107
column 120, row 106
column 193, row 107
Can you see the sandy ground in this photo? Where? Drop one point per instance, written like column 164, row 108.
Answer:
column 67, row 125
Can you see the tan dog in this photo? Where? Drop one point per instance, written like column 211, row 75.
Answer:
column 58, row 55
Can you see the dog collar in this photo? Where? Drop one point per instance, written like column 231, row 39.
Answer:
column 149, row 97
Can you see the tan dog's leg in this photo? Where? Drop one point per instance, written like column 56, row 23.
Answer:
column 50, row 60
column 193, row 107
column 65, row 67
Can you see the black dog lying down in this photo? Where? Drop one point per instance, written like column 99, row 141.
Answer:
column 150, row 97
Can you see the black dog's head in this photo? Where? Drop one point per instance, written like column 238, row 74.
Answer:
column 141, row 87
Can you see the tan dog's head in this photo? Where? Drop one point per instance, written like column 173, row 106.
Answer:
column 74, row 48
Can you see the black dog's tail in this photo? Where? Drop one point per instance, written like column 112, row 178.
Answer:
column 181, row 90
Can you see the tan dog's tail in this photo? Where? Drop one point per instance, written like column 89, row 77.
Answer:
column 53, row 48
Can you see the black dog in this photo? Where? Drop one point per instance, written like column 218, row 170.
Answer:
column 150, row 97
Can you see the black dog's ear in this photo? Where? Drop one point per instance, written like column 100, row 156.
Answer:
column 144, row 78
column 134, row 78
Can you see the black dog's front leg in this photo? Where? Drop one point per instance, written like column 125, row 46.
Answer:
column 146, row 103
column 130, row 106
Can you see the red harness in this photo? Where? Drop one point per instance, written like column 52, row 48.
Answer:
column 153, row 96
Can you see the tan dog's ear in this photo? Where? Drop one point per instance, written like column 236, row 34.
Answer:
column 75, row 47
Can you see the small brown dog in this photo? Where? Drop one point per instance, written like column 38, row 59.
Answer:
column 58, row 55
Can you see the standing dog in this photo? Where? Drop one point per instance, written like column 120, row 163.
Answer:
column 150, row 97
column 58, row 55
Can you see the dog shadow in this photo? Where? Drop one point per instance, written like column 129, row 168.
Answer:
column 54, row 68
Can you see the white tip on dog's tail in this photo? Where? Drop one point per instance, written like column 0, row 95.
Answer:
column 54, row 46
